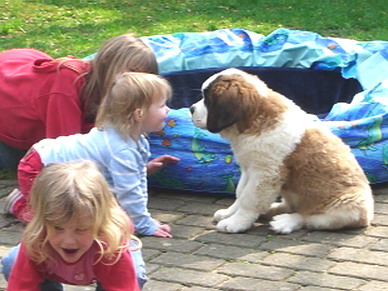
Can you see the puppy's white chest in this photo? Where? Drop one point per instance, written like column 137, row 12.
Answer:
column 270, row 147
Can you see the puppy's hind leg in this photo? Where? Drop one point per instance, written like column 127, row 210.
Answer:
column 276, row 209
column 284, row 218
column 348, row 216
column 287, row 222
column 342, row 214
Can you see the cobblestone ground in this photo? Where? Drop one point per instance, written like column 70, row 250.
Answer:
column 201, row 259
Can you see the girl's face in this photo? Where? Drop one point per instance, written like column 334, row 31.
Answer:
column 155, row 116
column 71, row 239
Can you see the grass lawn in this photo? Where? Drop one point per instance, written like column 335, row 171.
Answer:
column 78, row 27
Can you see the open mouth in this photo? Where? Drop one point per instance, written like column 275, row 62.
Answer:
column 70, row 251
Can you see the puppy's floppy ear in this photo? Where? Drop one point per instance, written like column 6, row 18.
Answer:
column 223, row 106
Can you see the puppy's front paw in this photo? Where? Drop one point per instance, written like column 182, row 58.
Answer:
column 221, row 214
column 233, row 226
column 286, row 223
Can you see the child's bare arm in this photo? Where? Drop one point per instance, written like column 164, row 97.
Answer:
column 160, row 162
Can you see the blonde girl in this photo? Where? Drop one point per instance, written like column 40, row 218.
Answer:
column 123, row 53
column 134, row 106
column 78, row 234
column 48, row 98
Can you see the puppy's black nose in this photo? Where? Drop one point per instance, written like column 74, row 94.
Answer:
column 192, row 108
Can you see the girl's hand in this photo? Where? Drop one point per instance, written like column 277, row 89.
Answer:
column 160, row 162
column 163, row 230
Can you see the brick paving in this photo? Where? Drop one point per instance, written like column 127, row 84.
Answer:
column 200, row 259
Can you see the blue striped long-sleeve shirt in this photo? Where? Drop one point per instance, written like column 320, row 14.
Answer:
column 123, row 163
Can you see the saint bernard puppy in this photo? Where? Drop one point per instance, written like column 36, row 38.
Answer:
column 282, row 151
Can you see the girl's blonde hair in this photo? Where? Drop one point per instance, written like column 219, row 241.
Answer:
column 66, row 190
column 124, row 53
column 130, row 92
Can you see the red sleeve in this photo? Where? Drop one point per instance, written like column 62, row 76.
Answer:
column 118, row 277
column 24, row 275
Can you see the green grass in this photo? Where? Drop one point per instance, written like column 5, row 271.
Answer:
column 78, row 27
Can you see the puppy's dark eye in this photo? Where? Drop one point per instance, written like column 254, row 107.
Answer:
column 205, row 97
column 205, row 92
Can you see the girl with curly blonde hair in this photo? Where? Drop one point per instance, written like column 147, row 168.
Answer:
column 78, row 234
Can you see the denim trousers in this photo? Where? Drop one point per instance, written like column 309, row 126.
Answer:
column 9, row 259
column 10, row 157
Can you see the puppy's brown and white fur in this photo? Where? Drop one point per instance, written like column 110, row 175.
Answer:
column 281, row 151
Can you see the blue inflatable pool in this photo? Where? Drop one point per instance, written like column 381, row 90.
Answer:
column 344, row 82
